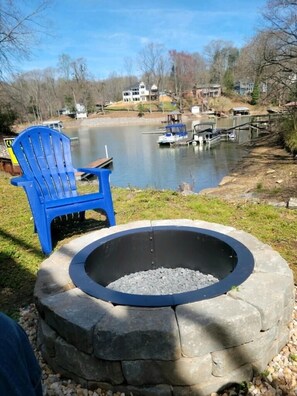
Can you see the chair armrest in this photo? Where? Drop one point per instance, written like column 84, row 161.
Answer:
column 103, row 177
column 20, row 181
column 95, row 171
column 102, row 174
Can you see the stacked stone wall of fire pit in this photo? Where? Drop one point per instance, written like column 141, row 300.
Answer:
column 189, row 349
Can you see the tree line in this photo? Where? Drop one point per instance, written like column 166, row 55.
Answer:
column 269, row 57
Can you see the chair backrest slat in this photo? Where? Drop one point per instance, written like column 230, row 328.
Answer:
column 44, row 155
column 45, row 160
column 58, row 152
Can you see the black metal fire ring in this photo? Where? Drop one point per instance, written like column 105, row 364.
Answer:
column 240, row 257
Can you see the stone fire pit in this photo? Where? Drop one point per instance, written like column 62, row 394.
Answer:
column 194, row 342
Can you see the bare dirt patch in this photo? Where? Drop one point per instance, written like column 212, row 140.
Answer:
column 267, row 173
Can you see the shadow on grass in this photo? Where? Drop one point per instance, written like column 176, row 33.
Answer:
column 65, row 228
column 16, row 281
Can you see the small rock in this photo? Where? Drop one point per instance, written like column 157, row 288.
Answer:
column 227, row 179
column 186, row 189
column 292, row 203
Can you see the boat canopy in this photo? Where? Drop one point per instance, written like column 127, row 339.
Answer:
column 203, row 126
column 176, row 128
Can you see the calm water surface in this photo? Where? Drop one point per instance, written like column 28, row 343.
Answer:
column 138, row 161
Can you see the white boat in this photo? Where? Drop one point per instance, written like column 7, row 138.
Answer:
column 205, row 133
column 173, row 133
column 54, row 124
column 231, row 135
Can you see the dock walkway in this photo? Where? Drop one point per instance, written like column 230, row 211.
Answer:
column 183, row 142
column 99, row 163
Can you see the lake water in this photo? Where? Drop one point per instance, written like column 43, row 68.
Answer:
column 138, row 161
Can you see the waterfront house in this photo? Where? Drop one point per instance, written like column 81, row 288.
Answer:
column 243, row 88
column 80, row 111
column 246, row 87
column 207, row 91
column 140, row 93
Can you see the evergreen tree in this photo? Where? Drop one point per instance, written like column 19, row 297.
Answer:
column 255, row 94
column 228, row 81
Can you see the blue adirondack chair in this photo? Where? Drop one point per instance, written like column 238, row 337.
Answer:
column 48, row 178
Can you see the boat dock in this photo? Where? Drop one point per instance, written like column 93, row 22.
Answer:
column 182, row 142
column 7, row 166
column 99, row 163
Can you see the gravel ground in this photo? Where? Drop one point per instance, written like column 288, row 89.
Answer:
column 162, row 281
column 279, row 378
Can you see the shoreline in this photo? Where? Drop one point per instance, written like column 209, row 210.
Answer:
column 267, row 173
column 123, row 121
column 113, row 120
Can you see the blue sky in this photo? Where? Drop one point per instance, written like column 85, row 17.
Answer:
column 106, row 32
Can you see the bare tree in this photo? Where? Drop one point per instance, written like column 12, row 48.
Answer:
column 202, row 73
column 222, row 57
column 64, row 67
column 280, row 51
column 251, row 63
column 34, row 94
column 76, row 80
column 153, row 65
column 129, row 67
column 183, row 72
column 20, row 29
column 116, row 84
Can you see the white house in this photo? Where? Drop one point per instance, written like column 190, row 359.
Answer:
column 80, row 111
column 139, row 93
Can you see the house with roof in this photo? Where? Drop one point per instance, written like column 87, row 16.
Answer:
column 81, row 111
column 244, row 88
column 140, row 93
column 207, row 91
column 247, row 87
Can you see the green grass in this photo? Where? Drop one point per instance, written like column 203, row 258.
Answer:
column 20, row 254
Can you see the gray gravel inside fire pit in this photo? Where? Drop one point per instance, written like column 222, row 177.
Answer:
column 162, row 281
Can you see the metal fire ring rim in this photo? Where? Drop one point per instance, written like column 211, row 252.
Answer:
column 242, row 271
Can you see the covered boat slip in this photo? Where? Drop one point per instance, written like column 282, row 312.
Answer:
column 205, row 132
column 203, row 126
column 174, row 117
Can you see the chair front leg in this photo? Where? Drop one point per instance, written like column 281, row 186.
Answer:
column 82, row 216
